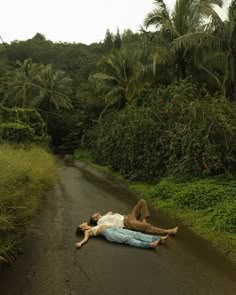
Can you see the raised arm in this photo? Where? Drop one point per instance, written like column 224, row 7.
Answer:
column 87, row 235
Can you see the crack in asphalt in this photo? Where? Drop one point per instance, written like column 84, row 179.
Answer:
column 84, row 273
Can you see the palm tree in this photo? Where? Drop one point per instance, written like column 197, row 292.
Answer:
column 20, row 83
column 39, row 86
column 218, row 36
column 121, row 76
column 53, row 89
column 186, row 18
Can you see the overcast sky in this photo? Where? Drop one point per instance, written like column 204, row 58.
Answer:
column 84, row 21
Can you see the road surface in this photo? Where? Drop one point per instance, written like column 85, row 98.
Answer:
column 50, row 264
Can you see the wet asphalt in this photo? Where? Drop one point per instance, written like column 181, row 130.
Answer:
column 49, row 264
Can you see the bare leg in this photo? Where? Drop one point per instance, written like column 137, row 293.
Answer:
column 140, row 211
column 173, row 231
column 134, row 224
column 154, row 244
column 158, row 230
column 162, row 239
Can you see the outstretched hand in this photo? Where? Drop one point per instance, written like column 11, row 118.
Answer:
column 78, row 245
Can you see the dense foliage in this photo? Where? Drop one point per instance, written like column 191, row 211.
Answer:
column 16, row 133
column 177, row 133
column 214, row 196
column 20, row 125
column 223, row 218
column 148, row 104
column 40, row 74
column 126, row 68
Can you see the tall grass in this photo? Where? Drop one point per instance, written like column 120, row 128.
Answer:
column 25, row 172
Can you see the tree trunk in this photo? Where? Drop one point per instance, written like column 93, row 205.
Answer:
column 234, row 73
column 47, row 109
column 183, row 69
column 181, row 65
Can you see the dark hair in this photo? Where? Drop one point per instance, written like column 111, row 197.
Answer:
column 79, row 231
column 92, row 221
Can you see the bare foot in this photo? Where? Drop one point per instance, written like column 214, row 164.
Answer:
column 173, row 231
column 154, row 244
column 162, row 239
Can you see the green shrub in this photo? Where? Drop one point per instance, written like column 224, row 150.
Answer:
column 82, row 155
column 7, row 114
column 32, row 118
column 223, row 217
column 129, row 142
column 178, row 136
column 166, row 189
column 16, row 133
column 196, row 194
column 181, row 89
column 204, row 194
column 202, row 136
column 21, row 125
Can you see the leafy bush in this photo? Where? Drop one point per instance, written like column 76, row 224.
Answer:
column 166, row 189
column 181, row 89
column 32, row 118
column 129, row 142
column 223, row 217
column 196, row 194
column 202, row 136
column 16, row 133
column 21, row 125
column 204, row 194
column 82, row 154
column 7, row 114
column 180, row 135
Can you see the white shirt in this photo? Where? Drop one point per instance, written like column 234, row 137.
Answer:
column 95, row 229
column 110, row 219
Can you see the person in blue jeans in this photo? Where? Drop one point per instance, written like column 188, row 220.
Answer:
column 118, row 235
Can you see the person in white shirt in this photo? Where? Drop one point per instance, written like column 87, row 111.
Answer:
column 118, row 235
column 136, row 220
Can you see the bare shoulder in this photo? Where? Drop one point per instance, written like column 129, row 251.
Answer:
column 88, row 232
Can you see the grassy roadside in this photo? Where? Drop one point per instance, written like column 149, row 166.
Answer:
column 86, row 158
column 207, row 206
column 24, row 174
column 201, row 221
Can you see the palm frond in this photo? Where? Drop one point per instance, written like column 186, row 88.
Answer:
column 105, row 77
column 213, row 75
column 189, row 40
column 154, row 18
column 162, row 56
column 158, row 16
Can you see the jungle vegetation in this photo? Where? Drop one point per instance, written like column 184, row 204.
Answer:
column 152, row 104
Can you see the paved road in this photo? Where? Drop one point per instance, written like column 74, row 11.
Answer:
column 50, row 265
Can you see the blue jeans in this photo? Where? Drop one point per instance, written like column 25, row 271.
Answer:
column 126, row 236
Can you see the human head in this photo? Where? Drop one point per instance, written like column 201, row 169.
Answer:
column 81, row 228
column 94, row 218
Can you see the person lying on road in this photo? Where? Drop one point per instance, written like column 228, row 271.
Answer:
column 131, row 221
column 118, row 235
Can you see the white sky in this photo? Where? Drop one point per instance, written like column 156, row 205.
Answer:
column 84, row 21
